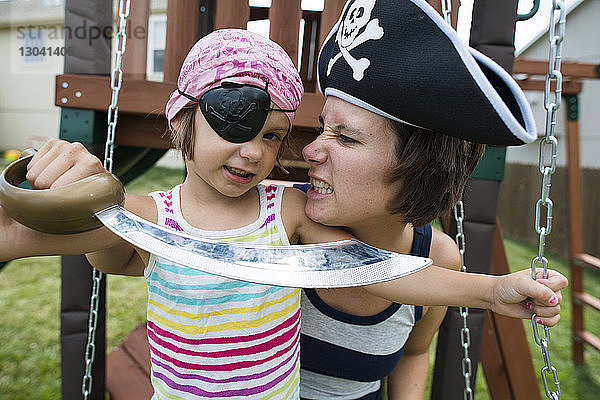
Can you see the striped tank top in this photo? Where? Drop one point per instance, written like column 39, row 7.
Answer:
column 214, row 337
column 345, row 356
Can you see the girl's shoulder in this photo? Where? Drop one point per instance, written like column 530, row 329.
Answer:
column 142, row 206
column 292, row 206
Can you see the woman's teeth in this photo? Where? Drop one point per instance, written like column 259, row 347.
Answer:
column 320, row 186
column 238, row 172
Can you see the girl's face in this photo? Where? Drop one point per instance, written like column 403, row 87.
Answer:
column 348, row 165
column 233, row 168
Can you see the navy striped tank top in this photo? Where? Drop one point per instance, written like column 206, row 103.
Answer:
column 344, row 356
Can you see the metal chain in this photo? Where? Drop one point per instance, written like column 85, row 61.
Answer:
column 465, row 333
column 549, row 144
column 113, row 112
column 459, row 216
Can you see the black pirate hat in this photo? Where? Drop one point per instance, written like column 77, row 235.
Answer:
column 400, row 59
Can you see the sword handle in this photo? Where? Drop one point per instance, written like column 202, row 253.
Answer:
column 64, row 210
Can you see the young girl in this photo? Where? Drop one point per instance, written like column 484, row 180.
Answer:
column 212, row 336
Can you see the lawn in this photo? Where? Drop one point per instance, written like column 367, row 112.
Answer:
column 29, row 319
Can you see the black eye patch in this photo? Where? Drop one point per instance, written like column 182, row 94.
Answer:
column 236, row 112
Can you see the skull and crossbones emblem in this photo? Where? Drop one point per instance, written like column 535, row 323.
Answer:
column 356, row 28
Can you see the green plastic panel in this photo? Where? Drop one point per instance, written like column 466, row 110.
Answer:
column 82, row 125
column 90, row 126
column 492, row 164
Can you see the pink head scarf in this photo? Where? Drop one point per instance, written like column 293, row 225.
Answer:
column 239, row 56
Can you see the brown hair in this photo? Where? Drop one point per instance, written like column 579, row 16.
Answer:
column 182, row 135
column 433, row 168
column 182, row 131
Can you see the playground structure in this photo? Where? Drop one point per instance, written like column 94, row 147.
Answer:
column 141, row 143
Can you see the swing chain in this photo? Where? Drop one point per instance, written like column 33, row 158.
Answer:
column 549, row 145
column 113, row 111
column 90, row 350
column 465, row 333
column 116, row 78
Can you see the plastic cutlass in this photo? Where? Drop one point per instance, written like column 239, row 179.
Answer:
column 335, row 264
column 74, row 208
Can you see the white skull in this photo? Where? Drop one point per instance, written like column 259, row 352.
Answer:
column 357, row 16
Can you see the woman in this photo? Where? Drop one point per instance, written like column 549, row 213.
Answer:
column 390, row 158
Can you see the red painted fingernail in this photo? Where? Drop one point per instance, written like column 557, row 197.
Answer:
column 553, row 300
column 529, row 305
column 539, row 321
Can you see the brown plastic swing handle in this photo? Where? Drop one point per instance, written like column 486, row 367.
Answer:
column 64, row 210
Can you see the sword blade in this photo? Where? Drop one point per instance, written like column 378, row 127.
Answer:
column 325, row 265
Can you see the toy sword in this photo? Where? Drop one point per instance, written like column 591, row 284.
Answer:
column 94, row 201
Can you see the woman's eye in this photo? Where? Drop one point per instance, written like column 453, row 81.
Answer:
column 272, row 136
column 346, row 140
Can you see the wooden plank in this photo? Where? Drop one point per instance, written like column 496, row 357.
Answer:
column 588, row 300
column 125, row 380
column 182, row 33
column 588, row 338
column 144, row 131
column 285, row 25
column 309, row 110
column 136, row 345
column 575, row 223
column 134, row 58
column 587, row 260
column 519, row 364
column 568, row 68
column 331, row 14
column 232, row 14
column 492, row 361
column 512, row 337
column 149, row 98
column 141, row 97
column 568, row 87
column 574, row 189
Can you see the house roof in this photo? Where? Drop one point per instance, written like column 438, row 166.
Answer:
column 543, row 26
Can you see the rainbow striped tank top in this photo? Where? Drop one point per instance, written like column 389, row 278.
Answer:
column 218, row 338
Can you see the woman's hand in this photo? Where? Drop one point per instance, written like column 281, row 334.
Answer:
column 518, row 295
column 59, row 163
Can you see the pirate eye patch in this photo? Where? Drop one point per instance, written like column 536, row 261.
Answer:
column 235, row 112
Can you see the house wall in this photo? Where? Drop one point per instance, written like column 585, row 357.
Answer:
column 580, row 44
column 27, row 112
column 28, row 116
column 522, row 184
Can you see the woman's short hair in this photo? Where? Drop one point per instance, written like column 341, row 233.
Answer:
column 433, row 169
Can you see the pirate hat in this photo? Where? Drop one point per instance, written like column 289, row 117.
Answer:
column 401, row 60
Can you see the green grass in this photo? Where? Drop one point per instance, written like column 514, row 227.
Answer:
column 29, row 319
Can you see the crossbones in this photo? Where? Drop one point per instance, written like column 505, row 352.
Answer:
column 348, row 36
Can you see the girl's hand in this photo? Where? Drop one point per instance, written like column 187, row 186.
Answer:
column 59, row 163
column 517, row 295
column 7, row 226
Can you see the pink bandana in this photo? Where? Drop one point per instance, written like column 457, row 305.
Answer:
column 239, row 56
